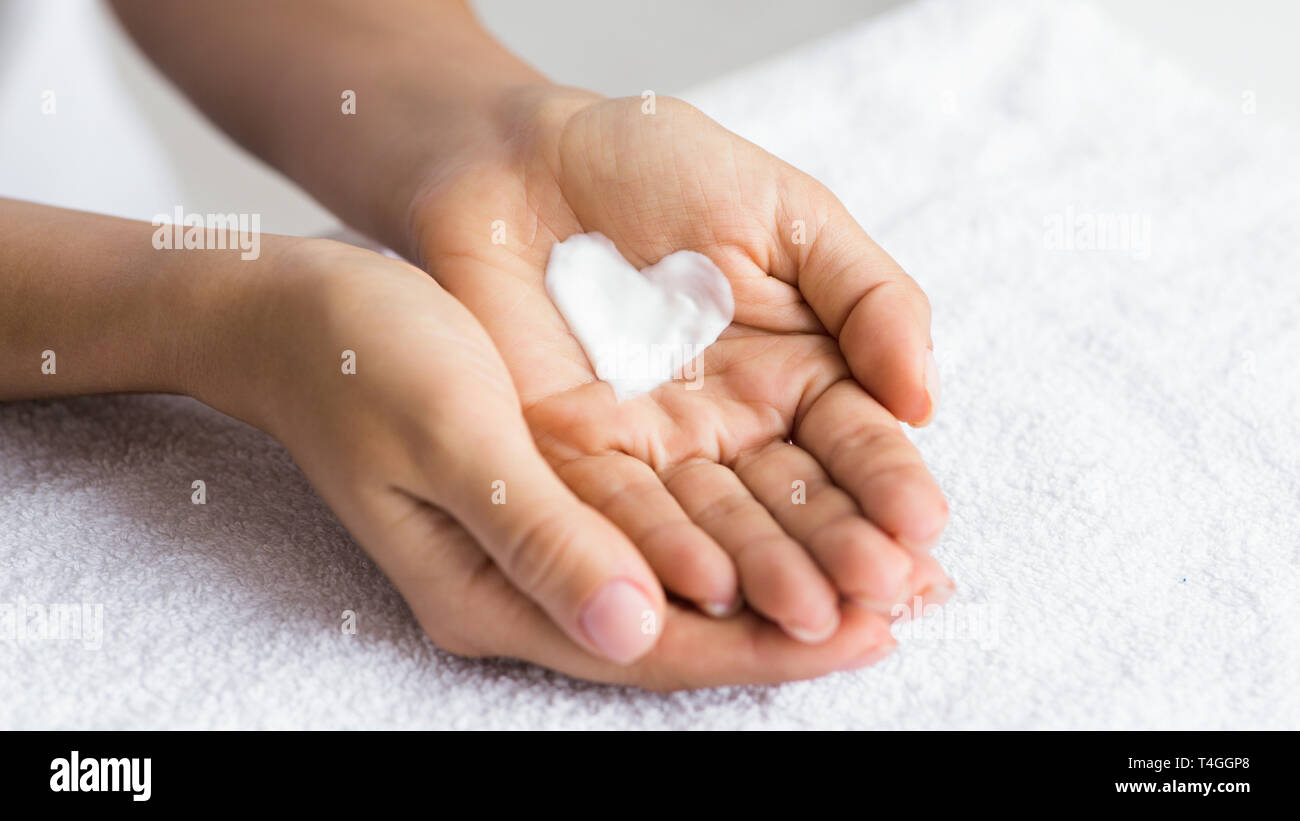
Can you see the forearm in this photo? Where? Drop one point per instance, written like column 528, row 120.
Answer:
column 83, row 306
column 428, row 81
column 89, row 305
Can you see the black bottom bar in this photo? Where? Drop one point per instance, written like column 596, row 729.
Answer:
column 583, row 772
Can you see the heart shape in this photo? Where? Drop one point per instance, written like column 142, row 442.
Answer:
column 641, row 328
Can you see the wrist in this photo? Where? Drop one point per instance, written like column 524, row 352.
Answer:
column 441, row 94
column 230, row 323
column 516, row 127
column 445, row 99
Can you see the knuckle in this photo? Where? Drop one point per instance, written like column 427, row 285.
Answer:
column 840, row 540
column 869, row 449
column 537, row 558
column 780, row 594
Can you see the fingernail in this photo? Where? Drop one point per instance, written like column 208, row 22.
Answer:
column 939, row 593
column 870, row 657
column 615, row 618
column 926, row 543
column 723, row 610
column 807, row 636
column 931, row 378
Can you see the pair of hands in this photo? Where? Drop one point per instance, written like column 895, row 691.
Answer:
column 520, row 509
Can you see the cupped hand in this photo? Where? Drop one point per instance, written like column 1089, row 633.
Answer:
column 784, row 479
column 396, row 405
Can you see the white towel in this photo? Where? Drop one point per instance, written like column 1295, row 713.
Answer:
column 1118, row 435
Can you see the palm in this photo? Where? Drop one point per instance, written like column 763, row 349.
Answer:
column 712, row 470
column 367, row 450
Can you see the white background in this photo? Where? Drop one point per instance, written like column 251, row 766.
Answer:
column 138, row 148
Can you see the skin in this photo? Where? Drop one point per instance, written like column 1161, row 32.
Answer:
column 700, row 480
column 394, row 448
column 688, row 494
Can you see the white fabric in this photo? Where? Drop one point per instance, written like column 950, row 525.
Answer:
column 1118, row 436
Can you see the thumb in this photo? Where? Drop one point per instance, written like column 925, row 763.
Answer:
column 580, row 568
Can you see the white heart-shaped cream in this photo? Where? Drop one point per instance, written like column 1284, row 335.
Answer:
column 641, row 328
